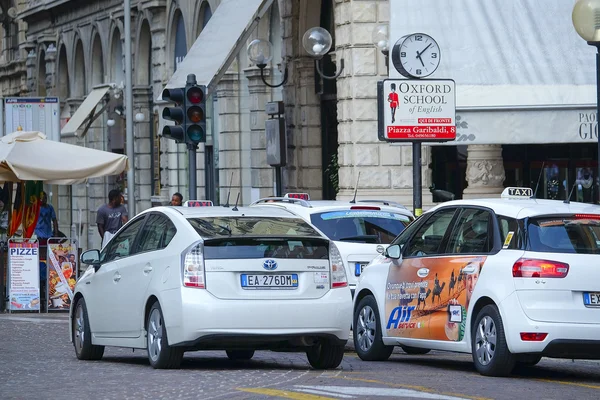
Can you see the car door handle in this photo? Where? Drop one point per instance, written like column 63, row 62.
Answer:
column 469, row 269
column 423, row 272
column 117, row 277
column 147, row 269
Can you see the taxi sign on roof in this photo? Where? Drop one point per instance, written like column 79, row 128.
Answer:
column 517, row 193
column 198, row 203
column 301, row 196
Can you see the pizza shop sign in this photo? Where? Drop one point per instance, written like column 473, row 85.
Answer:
column 416, row 110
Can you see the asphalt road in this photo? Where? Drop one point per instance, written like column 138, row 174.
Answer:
column 37, row 361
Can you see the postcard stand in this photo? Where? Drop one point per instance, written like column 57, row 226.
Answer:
column 62, row 265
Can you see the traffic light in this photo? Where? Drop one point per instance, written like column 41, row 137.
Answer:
column 175, row 114
column 195, row 113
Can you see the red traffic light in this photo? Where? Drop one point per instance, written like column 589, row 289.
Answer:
column 195, row 95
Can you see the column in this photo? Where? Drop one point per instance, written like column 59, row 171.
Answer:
column 485, row 171
column 262, row 174
column 51, row 70
column 142, row 97
column 228, row 94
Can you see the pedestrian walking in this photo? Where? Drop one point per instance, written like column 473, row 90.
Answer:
column 111, row 216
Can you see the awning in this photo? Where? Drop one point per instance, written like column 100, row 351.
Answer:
column 85, row 111
column 219, row 42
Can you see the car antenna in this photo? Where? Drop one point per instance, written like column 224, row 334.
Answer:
column 538, row 182
column 568, row 199
column 228, row 193
column 355, row 189
column 236, row 203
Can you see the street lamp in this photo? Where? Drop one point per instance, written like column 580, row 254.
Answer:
column 260, row 53
column 317, row 42
column 381, row 38
column 586, row 20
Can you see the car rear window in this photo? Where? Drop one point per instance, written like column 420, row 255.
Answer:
column 564, row 235
column 249, row 248
column 212, row 227
column 361, row 226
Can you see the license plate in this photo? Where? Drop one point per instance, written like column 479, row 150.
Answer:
column 264, row 281
column 359, row 268
column 591, row 299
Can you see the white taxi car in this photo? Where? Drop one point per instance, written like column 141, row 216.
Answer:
column 360, row 229
column 177, row 279
column 509, row 280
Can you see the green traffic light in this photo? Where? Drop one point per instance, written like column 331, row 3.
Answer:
column 195, row 133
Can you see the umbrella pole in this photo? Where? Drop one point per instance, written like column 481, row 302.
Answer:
column 129, row 111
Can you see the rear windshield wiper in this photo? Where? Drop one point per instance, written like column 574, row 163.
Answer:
column 366, row 238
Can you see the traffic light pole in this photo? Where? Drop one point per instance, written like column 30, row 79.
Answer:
column 193, row 184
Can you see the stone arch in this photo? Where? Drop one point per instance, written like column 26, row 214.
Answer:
column 79, row 71
column 143, row 68
column 41, row 78
column 117, row 71
column 63, row 82
column 203, row 15
column 97, row 57
column 177, row 41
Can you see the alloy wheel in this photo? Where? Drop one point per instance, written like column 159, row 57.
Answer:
column 155, row 334
column 485, row 340
column 79, row 328
column 365, row 330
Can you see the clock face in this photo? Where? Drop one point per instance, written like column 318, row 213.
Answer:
column 416, row 55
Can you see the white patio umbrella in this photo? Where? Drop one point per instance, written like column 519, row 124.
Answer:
column 28, row 156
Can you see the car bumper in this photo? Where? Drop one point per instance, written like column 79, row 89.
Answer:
column 564, row 340
column 204, row 321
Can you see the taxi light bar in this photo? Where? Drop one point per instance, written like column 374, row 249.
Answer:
column 531, row 268
column 533, row 336
column 517, row 193
column 364, row 208
column 301, row 196
column 587, row 216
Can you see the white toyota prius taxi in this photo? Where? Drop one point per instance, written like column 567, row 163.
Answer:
column 510, row 280
column 178, row 279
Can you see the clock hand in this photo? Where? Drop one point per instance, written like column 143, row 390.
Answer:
column 419, row 57
column 425, row 49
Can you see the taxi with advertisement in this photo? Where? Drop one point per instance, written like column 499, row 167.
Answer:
column 509, row 280
column 359, row 228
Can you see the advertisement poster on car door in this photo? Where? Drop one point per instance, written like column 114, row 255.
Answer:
column 24, row 285
column 62, row 273
column 428, row 298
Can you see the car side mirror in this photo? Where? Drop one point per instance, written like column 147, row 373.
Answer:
column 394, row 251
column 91, row 257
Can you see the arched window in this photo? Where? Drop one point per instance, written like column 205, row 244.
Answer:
column 116, row 53
column 180, row 49
column 79, row 83
column 204, row 16
column 41, row 80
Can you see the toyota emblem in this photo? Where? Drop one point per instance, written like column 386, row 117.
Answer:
column 270, row 265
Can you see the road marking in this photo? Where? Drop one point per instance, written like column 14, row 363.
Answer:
column 322, row 392
column 414, row 387
column 37, row 320
column 585, row 385
column 286, row 394
column 374, row 391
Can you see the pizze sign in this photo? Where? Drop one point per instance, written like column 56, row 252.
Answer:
column 416, row 110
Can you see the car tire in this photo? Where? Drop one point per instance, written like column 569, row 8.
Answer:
column 82, row 336
column 415, row 351
column 240, row 355
column 325, row 355
column 160, row 354
column 367, row 332
column 488, row 344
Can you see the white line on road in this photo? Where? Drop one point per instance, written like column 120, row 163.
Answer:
column 323, row 392
column 373, row 391
column 37, row 320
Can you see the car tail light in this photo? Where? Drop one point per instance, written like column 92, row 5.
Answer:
column 338, row 272
column 365, row 208
column 532, row 268
column 533, row 336
column 193, row 267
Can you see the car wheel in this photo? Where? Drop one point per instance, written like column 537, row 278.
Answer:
column 367, row 332
column 325, row 355
column 414, row 351
column 82, row 336
column 236, row 355
column 160, row 354
column 528, row 360
column 490, row 351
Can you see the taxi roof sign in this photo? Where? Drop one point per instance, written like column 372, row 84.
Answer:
column 198, row 203
column 301, row 196
column 517, row 193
